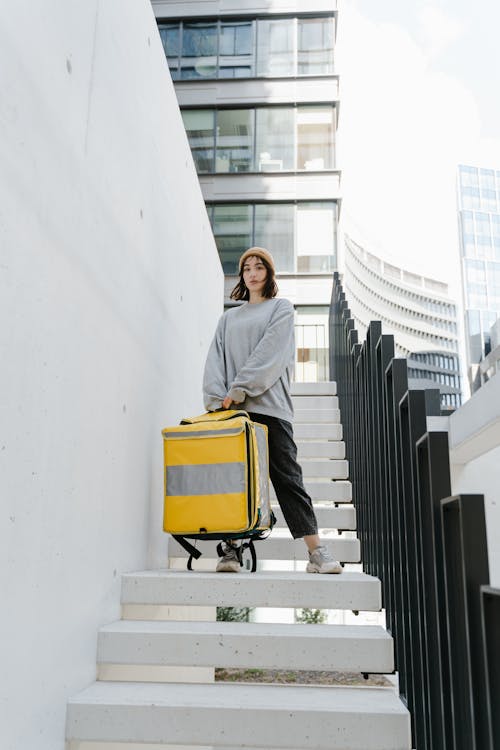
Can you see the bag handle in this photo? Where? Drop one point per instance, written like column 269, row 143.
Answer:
column 220, row 415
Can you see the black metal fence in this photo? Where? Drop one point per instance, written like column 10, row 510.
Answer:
column 429, row 549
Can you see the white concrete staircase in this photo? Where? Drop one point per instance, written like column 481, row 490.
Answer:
column 147, row 697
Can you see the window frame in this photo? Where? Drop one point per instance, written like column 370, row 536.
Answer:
column 295, row 108
column 211, row 206
column 254, row 21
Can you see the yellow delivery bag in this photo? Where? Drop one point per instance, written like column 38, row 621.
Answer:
column 217, row 480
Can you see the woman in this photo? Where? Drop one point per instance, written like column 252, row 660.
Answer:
column 249, row 365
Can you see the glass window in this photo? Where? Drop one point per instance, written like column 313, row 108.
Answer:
column 228, row 49
column 275, row 139
column 285, row 229
column 477, row 296
column 470, row 197
column 487, row 178
column 469, row 245
column 467, row 222
column 199, row 50
column 199, row 124
column 315, row 46
column 475, row 283
column 315, row 137
column 232, row 227
column 236, row 49
column 488, row 200
column 484, row 247
column 490, row 195
column 170, row 37
column 482, row 223
column 236, row 38
column 489, row 319
column 315, row 237
column 495, row 225
column 469, row 177
column 493, row 275
column 274, row 229
column 275, row 47
column 234, row 140
column 311, row 341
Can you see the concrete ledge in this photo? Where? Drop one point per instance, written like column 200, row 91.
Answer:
column 314, row 389
column 328, row 517
column 316, row 416
column 199, row 8
column 350, row 590
column 256, row 91
column 315, row 402
column 265, row 716
column 352, row 648
column 317, row 431
column 339, row 491
column 475, row 426
column 326, row 468
column 321, row 449
column 250, row 186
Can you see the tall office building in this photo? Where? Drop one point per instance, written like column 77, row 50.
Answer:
column 256, row 85
column 478, row 194
column 415, row 309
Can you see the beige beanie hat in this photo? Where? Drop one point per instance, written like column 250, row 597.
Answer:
column 258, row 252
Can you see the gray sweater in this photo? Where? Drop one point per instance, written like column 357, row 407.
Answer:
column 251, row 359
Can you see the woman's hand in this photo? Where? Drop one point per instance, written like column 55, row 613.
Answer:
column 228, row 402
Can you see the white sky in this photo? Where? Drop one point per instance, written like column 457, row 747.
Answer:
column 419, row 95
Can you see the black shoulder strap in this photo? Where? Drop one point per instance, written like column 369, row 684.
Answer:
column 190, row 549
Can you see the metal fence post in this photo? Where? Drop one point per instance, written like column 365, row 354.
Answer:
column 490, row 622
column 432, row 462
column 465, row 570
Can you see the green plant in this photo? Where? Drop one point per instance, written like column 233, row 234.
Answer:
column 233, row 614
column 311, row 616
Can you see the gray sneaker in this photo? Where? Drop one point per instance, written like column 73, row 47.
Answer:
column 321, row 561
column 229, row 562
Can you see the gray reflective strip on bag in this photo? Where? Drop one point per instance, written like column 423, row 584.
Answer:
column 203, row 433
column 206, row 479
column 265, row 502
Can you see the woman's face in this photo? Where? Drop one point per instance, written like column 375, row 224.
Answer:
column 254, row 275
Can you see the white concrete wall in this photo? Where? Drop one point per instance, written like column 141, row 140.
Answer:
column 110, row 288
column 474, row 433
column 173, row 8
column 482, row 476
column 229, row 92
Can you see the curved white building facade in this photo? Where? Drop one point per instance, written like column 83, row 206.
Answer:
column 415, row 309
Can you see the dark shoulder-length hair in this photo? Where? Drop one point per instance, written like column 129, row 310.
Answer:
column 240, row 291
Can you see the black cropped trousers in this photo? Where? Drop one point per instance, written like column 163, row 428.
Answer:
column 286, row 476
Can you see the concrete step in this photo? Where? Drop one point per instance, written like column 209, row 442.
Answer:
column 316, row 416
column 320, row 449
column 315, row 402
column 349, row 590
column 314, row 389
column 222, row 715
column 317, row 431
column 352, row 648
column 325, row 467
column 329, row 517
column 279, row 546
column 339, row 491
